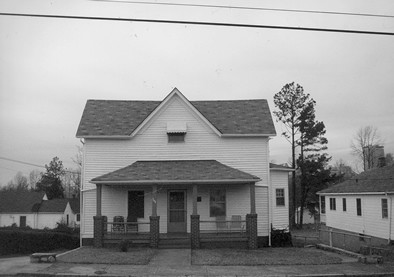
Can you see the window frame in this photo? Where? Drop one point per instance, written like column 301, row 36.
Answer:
column 214, row 201
column 344, row 205
column 323, row 204
column 385, row 210
column 359, row 207
column 280, row 199
column 333, row 204
column 176, row 137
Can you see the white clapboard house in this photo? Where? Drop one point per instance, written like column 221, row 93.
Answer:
column 162, row 172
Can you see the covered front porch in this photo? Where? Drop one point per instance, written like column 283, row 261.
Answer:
column 193, row 202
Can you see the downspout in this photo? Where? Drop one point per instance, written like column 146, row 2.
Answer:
column 391, row 218
column 269, row 195
column 81, row 214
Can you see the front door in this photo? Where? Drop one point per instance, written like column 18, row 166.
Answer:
column 176, row 211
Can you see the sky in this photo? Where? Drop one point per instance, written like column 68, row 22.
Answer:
column 50, row 67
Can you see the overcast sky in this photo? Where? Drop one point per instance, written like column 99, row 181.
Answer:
column 50, row 67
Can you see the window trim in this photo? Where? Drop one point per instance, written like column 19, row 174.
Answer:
column 359, row 207
column 280, row 199
column 385, row 211
column 333, row 204
column 323, row 204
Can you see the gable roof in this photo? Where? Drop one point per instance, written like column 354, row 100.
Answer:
column 176, row 171
column 280, row 167
column 75, row 205
column 113, row 118
column 20, row 201
column 376, row 181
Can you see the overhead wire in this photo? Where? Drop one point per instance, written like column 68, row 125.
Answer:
column 203, row 23
column 245, row 8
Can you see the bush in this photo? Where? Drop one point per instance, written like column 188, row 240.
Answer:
column 62, row 227
column 19, row 241
column 124, row 245
column 280, row 238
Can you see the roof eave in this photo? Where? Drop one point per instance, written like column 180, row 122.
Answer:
column 356, row 193
column 282, row 169
column 247, row 135
column 106, row 137
column 168, row 182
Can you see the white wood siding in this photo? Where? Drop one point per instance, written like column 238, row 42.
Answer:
column 369, row 223
column 280, row 215
column 49, row 220
column 9, row 219
column 201, row 143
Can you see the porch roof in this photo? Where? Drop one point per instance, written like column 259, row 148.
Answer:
column 176, row 172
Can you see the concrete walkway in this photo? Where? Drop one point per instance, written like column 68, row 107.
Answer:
column 177, row 262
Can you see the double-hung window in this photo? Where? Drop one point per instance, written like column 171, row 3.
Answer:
column 385, row 211
column 280, row 197
column 358, row 206
column 323, row 204
column 344, row 204
column 333, row 204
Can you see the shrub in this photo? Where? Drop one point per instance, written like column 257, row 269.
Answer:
column 124, row 245
column 19, row 241
column 280, row 238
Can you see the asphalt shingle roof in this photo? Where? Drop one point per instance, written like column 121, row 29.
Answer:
column 179, row 170
column 372, row 181
column 53, row 206
column 121, row 118
column 20, row 201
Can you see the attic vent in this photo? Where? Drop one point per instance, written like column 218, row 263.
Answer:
column 176, row 131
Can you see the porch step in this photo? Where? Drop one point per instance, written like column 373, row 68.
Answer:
column 174, row 243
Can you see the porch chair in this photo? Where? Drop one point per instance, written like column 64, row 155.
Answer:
column 236, row 224
column 118, row 224
column 221, row 224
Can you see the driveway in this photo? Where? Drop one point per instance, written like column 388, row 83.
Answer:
column 20, row 265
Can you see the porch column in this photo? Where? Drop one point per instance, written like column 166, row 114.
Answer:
column 252, row 198
column 195, row 221
column 251, row 219
column 154, row 220
column 98, row 221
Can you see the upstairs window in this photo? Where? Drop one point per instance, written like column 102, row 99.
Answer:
column 176, row 132
column 176, row 137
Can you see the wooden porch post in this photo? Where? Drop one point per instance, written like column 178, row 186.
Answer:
column 252, row 198
column 154, row 200
column 98, row 199
column 195, row 192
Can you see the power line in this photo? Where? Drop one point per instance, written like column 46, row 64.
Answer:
column 246, row 8
column 27, row 163
column 203, row 23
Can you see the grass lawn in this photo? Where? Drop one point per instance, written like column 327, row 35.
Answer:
column 90, row 255
column 265, row 256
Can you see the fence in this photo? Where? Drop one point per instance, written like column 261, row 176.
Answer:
column 126, row 229
column 236, row 227
column 344, row 240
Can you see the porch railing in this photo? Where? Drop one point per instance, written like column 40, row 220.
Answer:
column 223, row 227
column 124, row 229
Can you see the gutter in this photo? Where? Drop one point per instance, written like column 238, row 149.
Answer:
column 149, row 182
column 355, row 193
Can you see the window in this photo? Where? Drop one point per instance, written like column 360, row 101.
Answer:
column 358, row 204
column 135, row 205
column 22, row 221
column 78, row 217
column 280, row 197
column 176, row 137
column 323, row 204
column 217, row 202
column 68, row 220
column 344, row 204
column 385, row 211
column 333, row 204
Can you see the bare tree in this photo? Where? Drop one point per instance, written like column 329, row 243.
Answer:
column 365, row 145
column 34, row 178
column 18, row 183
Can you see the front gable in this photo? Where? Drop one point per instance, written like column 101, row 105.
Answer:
column 179, row 108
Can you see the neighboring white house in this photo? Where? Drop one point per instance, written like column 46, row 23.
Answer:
column 175, row 160
column 33, row 209
column 362, row 205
